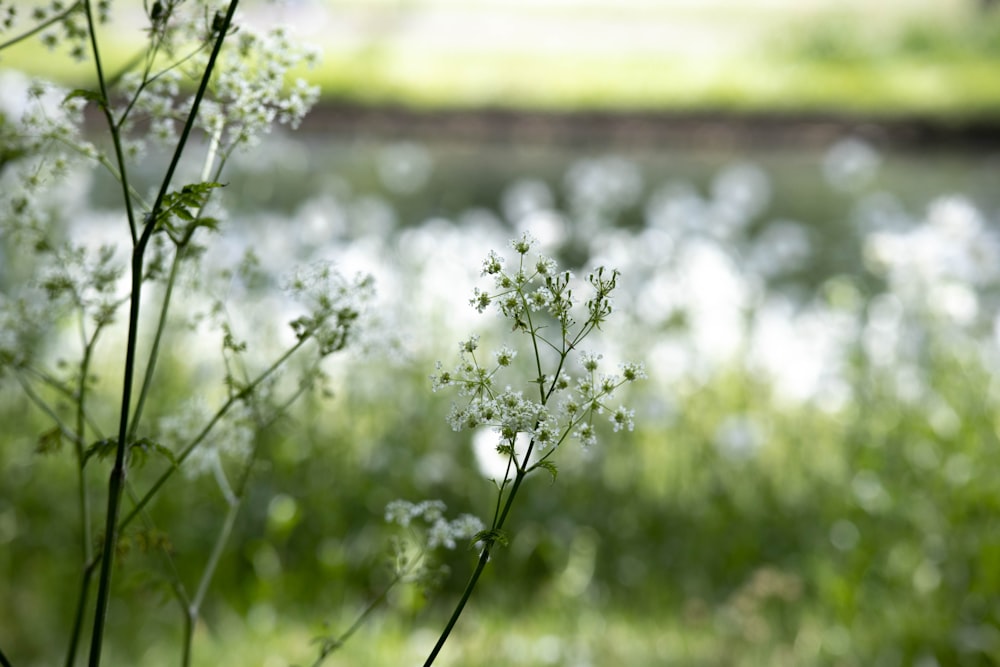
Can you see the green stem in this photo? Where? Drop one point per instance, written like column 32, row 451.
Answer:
column 45, row 407
column 484, row 558
column 105, row 105
column 81, row 608
column 331, row 645
column 220, row 413
column 118, row 473
column 81, row 438
column 86, row 537
column 234, row 500
column 147, row 380
column 193, row 609
column 53, row 383
column 154, row 353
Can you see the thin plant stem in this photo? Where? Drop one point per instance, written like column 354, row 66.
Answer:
column 55, row 384
column 234, row 501
column 154, row 353
column 55, row 18
column 193, row 608
column 484, row 558
column 331, row 645
column 147, row 379
column 84, row 498
column 118, row 473
column 219, row 414
column 4, row 662
column 81, row 436
column 105, row 105
column 81, row 609
column 43, row 405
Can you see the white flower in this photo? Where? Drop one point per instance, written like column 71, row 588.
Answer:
column 505, row 356
column 622, row 418
column 590, row 360
column 232, row 436
column 441, row 532
column 336, row 306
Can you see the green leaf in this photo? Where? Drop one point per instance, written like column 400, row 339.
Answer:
column 491, row 537
column 143, row 447
column 185, row 204
column 89, row 95
column 50, row 442
column 209, row 223
column 102, row 449
column 548, row 465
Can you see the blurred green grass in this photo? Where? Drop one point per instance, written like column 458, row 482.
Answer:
column 935, row 60
column 656, row 549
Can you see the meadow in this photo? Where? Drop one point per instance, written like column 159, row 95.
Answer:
column 809, row 480
column 800, row 472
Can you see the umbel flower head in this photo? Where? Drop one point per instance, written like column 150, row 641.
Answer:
column 566, row 387
column 334, row 304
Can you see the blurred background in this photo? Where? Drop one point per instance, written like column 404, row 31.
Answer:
column 802, row 197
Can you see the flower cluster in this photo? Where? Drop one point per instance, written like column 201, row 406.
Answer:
column 231, row 436
column 335, row 305
column 440, row 531
column 535, row 296
column 533, row 287
column 250, row 92
column 24, row 320
column 62, row 22
column 87, row 280
column 40, row 132
column 155, row 100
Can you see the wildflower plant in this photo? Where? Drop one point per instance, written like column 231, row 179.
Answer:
column 197, row 74
column 565, row 392
column 424, row 530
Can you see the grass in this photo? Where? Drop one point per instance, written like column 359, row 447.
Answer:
column 536, row 637
column 801, row 63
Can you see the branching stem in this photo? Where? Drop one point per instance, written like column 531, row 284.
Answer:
column 118, row 473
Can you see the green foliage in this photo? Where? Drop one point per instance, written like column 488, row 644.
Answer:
column 184, row 206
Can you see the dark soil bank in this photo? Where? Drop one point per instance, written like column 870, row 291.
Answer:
column 645, row 128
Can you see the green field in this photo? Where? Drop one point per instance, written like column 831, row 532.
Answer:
column 811, row 477
column 930, row 59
